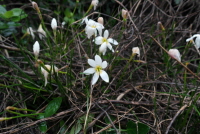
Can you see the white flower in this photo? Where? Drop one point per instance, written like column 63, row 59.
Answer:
column 36, row 49
column 94, row 3
column 105, row 42
column 30, row 32
column 46, row 73
column 92, row 27
column 41, row 32
column 54, row 24
column 136, row 50
column 97, row 67
column 174, row 53
column 197, row 40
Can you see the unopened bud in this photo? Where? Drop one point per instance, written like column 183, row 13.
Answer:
column 35, row 6
column 175, row 54
column 11, row 108
column 124, row 14
column 100, row 20
column 136, row 50
column 160, row 25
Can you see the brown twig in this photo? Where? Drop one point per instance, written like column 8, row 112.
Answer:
column 176, row 115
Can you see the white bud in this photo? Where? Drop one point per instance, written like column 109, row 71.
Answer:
column 94, row 3
column 54, row 24
column 136, row 50
column 100, row 20
column 124, row 14
column 36, row 49
column 174, row 53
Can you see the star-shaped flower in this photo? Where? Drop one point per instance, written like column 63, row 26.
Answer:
column 92, row 27
column 105, row 42
column 97, row 67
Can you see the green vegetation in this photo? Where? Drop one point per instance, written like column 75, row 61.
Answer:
column 65, row 70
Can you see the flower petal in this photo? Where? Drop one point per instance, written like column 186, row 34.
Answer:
column 112, row 41
column 95, row 78
column 104, row 52
column 99, row 28
column 91, row 62
column 102, row 47
column 195, row 35
column 104, row 76
column 197, row 42
column 104, row 64
column 110, row 47
column 89, row 71
column 106, row 34
column 89, row 31
column 98, row 40
column 98, row 60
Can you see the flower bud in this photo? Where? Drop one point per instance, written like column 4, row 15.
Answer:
column 174, row 53
column 124, row 14
column 100, row 20
column 94, row 3
column 36, row 49
column 160, row 26
column 136, row 50
column 11, row 108
column 35, row 5
column 54, row 24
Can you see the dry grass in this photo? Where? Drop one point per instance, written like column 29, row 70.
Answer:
column 159, row 92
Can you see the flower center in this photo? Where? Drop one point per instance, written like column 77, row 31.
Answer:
column 104, row 40
column 93, row 26
column 98, row 69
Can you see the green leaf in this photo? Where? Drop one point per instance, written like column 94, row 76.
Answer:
column 2, row 9
column 43, row 125
column 137, row 128
column 52, row 107
column 9, row 31
column 13, row 24
column 18, row 14
column 76, row 128
column 8, row 14
column 3, row 25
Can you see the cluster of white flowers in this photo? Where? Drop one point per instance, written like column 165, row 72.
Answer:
column 94, row 28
